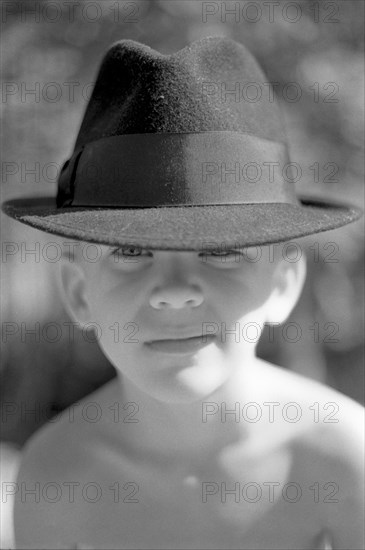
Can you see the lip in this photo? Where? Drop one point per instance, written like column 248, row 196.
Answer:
column 181, row 345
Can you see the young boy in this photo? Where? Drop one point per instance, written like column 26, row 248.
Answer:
column 196, row 443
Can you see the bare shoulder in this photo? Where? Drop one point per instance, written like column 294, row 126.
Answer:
column 73, row 430
column 323, row 418
column 292, row 386
column 328, row 443
column 54, row 461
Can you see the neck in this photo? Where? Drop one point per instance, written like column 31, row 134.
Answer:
column 179, row 431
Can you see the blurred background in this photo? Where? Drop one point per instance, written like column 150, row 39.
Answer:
column 50, row 56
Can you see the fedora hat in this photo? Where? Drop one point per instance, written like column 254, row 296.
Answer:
column 174, row 152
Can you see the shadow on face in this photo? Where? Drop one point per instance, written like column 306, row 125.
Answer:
column 149, row 307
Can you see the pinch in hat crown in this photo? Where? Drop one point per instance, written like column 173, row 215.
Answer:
column 139, row 90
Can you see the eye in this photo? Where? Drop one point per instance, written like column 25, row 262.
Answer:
column 222, row 256
column 129, row 253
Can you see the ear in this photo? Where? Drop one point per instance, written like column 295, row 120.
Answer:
column 72, row 282
column 288, row 282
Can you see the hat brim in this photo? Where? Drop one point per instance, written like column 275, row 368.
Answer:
column 183, row 228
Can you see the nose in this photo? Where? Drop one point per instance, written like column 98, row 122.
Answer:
column 176, row 297
column 177, row 290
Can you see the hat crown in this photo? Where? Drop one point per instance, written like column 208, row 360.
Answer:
column 178, row 129
column 201, row 88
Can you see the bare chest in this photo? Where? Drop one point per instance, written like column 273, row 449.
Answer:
column 219, row 505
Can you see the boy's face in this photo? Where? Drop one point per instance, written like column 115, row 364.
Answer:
column 145, row 301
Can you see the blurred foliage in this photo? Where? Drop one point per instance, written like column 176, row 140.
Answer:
column 65, row 47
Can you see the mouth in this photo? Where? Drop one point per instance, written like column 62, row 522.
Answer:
column 181, row 345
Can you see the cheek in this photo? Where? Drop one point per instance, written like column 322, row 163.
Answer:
column 112, row 301
column 243, row 292
column 119, row 335
column 114, row 308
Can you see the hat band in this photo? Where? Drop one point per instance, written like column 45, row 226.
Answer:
column 182, row 169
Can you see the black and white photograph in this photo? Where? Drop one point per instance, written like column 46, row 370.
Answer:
column 182, row 275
